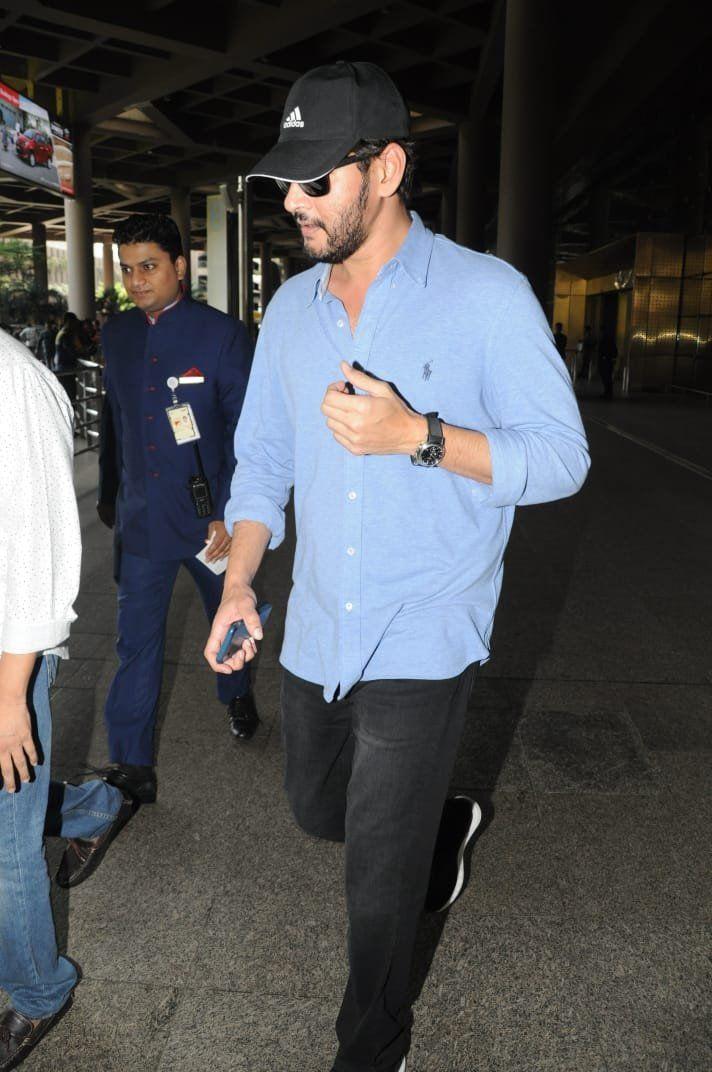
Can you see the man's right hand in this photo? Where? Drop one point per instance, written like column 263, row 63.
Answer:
column 17, row 748
column 107, row 514
column 238, row 604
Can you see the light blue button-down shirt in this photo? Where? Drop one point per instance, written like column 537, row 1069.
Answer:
column 398, row 568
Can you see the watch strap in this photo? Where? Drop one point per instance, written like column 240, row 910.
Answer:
column 435, row 429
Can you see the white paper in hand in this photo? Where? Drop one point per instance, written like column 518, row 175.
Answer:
column 215, row 567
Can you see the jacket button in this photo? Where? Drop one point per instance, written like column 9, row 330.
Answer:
column 151, row 388
column 154, row 360
column 149, row 417
column 151, row 446
column 155, row 473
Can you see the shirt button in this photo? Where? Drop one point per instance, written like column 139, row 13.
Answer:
column 349, row 606
column 154, row 360
column 350, row 550
column 352, row 495
column 339, row 323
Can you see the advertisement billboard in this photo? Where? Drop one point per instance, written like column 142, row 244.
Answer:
column 32, row 145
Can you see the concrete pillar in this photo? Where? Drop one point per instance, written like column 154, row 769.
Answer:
column 216, row 248
column 108, row 263
column 470, row 221
column 79, row 230
column 39, row 263
column 524, row 234
column 180, row 211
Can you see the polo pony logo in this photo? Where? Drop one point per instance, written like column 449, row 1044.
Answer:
column 427, row 371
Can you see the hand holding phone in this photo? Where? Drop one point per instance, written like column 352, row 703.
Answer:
column 237, row 632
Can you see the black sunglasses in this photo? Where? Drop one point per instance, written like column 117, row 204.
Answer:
column 320, row 187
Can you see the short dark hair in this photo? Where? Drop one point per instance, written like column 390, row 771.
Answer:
column 405, row 190
column 152, row 227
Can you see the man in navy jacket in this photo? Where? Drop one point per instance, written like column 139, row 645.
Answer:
column 167, row 352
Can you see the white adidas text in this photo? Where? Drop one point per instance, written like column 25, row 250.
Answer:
column 294, row 119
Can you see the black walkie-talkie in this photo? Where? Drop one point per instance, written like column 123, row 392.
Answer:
column 199, row 488
column 200, row 494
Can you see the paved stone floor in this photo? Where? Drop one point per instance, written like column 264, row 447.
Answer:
column 212, row 937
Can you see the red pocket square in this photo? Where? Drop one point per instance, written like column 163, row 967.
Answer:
column 193, row 375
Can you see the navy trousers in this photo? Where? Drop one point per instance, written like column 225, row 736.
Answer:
column 145, row 590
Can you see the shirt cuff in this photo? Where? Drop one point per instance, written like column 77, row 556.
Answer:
column 257, row 508
column 509, row 467
column 21, row 638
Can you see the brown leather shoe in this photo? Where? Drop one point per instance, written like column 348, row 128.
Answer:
column 82, row 856
column 19, row 1036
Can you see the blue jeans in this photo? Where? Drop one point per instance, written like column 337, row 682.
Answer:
column 38, row 980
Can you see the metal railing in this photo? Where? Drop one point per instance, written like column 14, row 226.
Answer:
column 86, row 392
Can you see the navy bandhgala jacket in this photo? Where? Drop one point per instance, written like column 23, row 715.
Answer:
column 141, row 467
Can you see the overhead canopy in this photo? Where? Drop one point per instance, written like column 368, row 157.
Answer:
column 175, row 93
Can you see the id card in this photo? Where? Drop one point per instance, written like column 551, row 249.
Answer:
column 183, row 423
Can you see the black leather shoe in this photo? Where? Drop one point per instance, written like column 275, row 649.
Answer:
column 243, row 717
column 82, row 856
column 140, row 783
column 19, row 1036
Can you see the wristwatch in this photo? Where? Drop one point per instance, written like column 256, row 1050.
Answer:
column 432, row 451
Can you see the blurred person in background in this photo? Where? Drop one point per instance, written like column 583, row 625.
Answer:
column 70, row 346
column 47, row 343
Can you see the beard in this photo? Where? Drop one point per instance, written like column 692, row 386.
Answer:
column 346, row 234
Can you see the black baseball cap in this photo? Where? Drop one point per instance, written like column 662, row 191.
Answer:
column 329, row 110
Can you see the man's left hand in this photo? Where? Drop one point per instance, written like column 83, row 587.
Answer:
column 220, row 547
column 375, row 422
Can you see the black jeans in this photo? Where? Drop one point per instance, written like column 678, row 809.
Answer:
column 373, row 770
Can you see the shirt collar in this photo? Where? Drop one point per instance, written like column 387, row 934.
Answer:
column 413, row 256
column 415, row 253
column 153, row 317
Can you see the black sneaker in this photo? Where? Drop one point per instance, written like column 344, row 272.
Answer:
column 243, row 717
column 19, row 1036
column 461, row 817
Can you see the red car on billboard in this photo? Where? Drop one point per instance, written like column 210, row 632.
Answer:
column 35, row 147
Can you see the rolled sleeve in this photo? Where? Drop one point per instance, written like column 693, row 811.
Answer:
column 537, row 445
column 255, row 507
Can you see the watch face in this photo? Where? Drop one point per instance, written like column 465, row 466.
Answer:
column 431, row 454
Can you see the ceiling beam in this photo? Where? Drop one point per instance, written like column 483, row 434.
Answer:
column 252, row 33
column 203, row 38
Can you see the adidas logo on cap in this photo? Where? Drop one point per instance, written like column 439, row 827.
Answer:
column 294, row 119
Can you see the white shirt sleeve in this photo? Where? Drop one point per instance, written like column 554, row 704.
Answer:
column 40, row 541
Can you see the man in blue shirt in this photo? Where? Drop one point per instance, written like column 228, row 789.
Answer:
column 410, row 392
column 175, row 375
